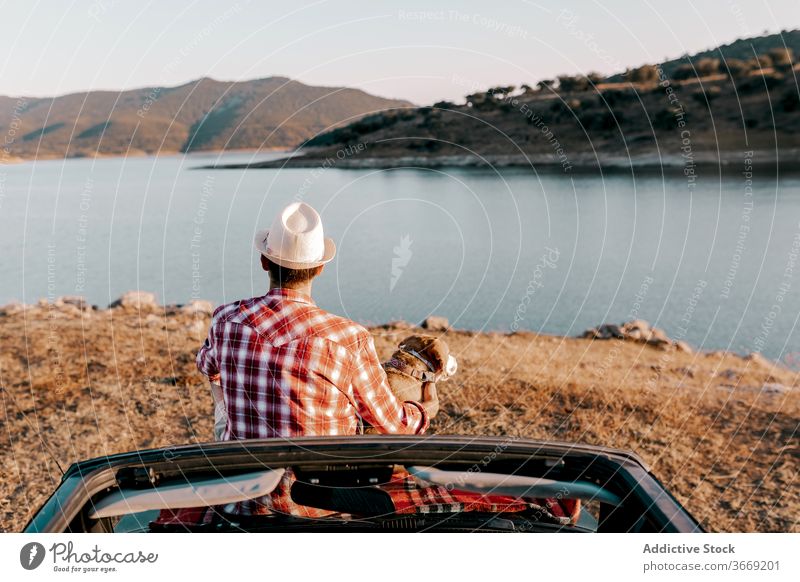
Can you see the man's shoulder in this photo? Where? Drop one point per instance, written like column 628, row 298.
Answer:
column 232, row 311
column 335, row 328
column 292, row 322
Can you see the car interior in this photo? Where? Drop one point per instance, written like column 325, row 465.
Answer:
column 537, row 495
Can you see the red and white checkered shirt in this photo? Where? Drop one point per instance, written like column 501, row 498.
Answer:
column 288, row 368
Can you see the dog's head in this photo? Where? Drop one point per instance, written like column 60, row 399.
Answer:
column 432, row 351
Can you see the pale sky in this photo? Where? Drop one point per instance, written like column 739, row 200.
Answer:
column 423, row 51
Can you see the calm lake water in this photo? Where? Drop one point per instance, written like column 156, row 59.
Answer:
column 489, row 250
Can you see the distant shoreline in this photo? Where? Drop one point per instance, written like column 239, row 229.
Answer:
column 14, row 160
column 787, row 161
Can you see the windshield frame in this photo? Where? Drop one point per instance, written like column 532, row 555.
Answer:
column 65, row 509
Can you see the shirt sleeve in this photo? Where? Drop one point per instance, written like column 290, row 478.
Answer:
column 207, row 361
column 377, row 403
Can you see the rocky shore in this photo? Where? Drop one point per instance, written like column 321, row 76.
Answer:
column 718, row 429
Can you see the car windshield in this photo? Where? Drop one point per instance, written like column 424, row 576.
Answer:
column 399, row 498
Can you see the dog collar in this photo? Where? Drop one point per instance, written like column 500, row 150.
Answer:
column 400, row 366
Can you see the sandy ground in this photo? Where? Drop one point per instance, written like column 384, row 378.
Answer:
column 720, row 431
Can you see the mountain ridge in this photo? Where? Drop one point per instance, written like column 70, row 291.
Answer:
column 201, row 115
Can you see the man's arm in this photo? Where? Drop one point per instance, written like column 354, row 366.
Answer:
column 209, row 366
column 206, row 359
column 220, row 412
column 377, row 403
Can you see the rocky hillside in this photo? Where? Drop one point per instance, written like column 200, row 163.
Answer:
column 719, row 430
column 685, row 112
column 275, row 112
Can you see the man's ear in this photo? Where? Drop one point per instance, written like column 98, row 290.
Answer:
column 319, row 270
column 264, row 263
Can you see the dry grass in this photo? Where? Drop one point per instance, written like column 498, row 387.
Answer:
column 95, row 383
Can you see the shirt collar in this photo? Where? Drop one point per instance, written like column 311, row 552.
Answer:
column 285, row 294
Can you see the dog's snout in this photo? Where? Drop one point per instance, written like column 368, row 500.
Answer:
column 452, row 365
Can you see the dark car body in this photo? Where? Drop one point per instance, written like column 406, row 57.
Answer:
column 644, row 505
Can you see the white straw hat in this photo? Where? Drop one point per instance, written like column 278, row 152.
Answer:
column 296, row 240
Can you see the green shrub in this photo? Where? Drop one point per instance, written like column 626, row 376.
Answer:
column 782, row 58
column 600, row 120
column 738, row 69
column 616, row 96
column 683, row 72
column 774, row 80
column 707, row 66
column 664, row 119
column 569, row 83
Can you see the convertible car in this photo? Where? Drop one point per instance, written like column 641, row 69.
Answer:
column 365, row 483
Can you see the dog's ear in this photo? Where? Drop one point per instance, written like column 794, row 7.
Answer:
column 417, row 343
column 435, row 350
column 437, row 353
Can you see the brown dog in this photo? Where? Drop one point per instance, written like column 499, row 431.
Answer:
column 418, row 359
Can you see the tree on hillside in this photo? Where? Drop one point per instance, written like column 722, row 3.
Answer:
column 707, row 66
column 682, row 72
column 782, row 58
column 502, row 92
column 570, row 83
column 643, row 74
column 480, row 101
column 545, row 84
column 595, row 78
column 738, row 69
column 761, row 62
column 475, row 99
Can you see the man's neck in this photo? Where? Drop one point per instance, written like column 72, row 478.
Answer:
column 305, row 289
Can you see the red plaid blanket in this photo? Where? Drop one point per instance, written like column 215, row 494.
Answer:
column 409, row 498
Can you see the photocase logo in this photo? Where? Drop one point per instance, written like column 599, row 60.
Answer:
column 31, row 555
column 402, row 255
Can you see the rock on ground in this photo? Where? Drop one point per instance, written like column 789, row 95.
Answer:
column 136, row 300
column 436, row 323
column 637, row 330
column 199, row 306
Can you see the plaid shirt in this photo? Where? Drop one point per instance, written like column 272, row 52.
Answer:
column 288, row 368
